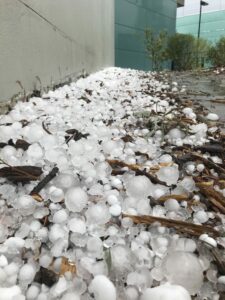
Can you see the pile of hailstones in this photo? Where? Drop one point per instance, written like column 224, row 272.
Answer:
column 114, row 258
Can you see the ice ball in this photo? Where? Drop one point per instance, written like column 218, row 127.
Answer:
column 27, row 273
column 76, row 199
column 77, row 225
column 184, row 268
column 166, row 292
column 102, row 288
column 98, row 214
column 170, row 175
column 212, row 117
column 139, row 187
column 26, row 205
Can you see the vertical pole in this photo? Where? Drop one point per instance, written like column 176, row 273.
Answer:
column 199, row 29
column 200, row 18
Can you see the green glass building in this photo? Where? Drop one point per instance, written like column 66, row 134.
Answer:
column 212, row 20
column 132, row 17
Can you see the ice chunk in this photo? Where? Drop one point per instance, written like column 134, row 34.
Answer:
column 60, row 216
column 131, row 293
column 184, row 268
column 170, row 175
column 121, row 258
column 140, row 279
column 3, row 261
column 59, row 247
column 98, row 214
column 212, row 117
column 10, row 293
column 3, row 233
column 77, row 225
column 26, row 205
column 45, row 260
column 56, row 194
column 102, row 288
column 11, row 269
column 70, row 296
column 14, row 243
column 201, row 216
column 172, row 205
column 94, row 245
column 185, row 244
column 115, row 210
column 208, row 240
column 56, row 232
column 27, row 273
column 76, row 199
column 175, row 133
column 35, row 152
column 59, row 288
column 166, row 292
column 32, row 292
column 66, row 181
column 139, row 187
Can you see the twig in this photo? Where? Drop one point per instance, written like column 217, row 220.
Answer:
column 45, row 128
column 221, row 101
column 182, row 226
column 182, row 197
column 135, row 168
column 207, row 162
column 45, row 181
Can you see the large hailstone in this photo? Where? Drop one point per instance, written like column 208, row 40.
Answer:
column 166, row 292
column 76, row 199
column 170, row 175
column 183, row 268
column 139, row 187
column 102, row 288
column 10, row 293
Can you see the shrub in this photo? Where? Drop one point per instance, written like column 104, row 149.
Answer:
column 156, row 44
column 216, row 53
column 180, row 50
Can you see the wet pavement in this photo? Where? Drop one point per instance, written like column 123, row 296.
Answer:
column 203, row 87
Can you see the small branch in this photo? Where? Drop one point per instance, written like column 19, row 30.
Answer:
column 45, row 128
column 117, row 163
column 182, row 226
column 45, row 181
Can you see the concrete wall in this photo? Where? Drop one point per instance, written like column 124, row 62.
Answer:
column 52, row 40
column 132, row 18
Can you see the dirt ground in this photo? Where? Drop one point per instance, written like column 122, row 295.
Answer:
column 204, row 87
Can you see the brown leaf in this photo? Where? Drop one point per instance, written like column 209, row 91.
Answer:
column 22, row 174
column 127, row 138
column 46, row 276
column 37, row 197
column 67, row 266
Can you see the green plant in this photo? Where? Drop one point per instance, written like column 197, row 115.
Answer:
column 216, row 53
column 179, row 50
column 200, row 50
column 186, row 51
column 156, row 44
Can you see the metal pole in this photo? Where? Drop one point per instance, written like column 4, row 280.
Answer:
column 200, row 18
column 199, row 28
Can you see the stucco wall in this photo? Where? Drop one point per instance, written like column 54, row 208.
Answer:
column 51, row 40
